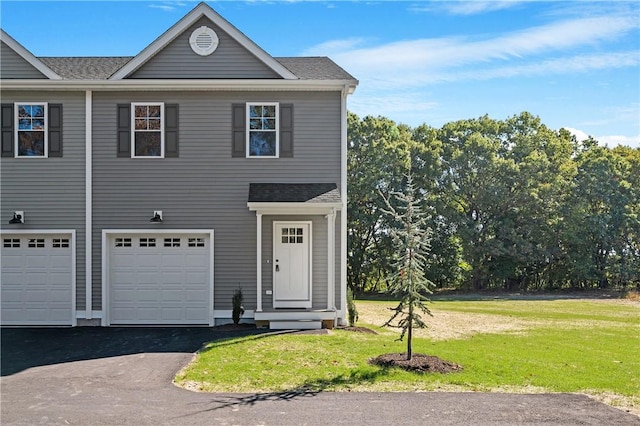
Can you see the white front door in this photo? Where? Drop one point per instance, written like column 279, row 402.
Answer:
column 292, row 265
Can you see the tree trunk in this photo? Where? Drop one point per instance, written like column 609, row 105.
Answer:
column 410, row 332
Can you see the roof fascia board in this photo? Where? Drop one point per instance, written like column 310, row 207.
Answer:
column 189, row 19
column 28, row 56
column 294, row 208
column 182, row 84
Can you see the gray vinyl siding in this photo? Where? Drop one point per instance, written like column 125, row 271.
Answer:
column 230, row 60
column 51, row 191
column 205, row 188
column 13, row 65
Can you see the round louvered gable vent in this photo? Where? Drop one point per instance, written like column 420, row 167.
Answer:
column 203, row 41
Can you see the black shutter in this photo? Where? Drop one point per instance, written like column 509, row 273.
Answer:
column 238, row 136
column 7, row 130
column 55, row 130
column 124, row 130
column 171, row 130
column 286, row 130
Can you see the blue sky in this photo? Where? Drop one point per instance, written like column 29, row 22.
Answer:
column 575, row 64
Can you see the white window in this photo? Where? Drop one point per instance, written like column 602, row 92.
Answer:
column 147, row 123
column 262, row 129
column 31, row 129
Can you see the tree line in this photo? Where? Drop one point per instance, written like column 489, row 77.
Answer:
column 512, row 204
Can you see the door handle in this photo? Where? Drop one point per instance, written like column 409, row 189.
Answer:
column 277, row 268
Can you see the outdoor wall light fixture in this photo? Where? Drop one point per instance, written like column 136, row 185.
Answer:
column 18, row 217
column 157, row 217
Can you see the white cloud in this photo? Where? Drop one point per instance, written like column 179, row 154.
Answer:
column 423, row 61
column 168, row 6
column 475, row 7
column 465, row 7
column 579, row 134
column 614, row 140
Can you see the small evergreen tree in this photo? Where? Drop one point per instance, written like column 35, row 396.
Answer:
column 411, row 236
column 351, row 307
column 236, row 303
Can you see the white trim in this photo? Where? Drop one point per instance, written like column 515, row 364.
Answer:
column 293, row 315
column 88, row 194
column 72, row 235
column 90, row 315
column 171, row 85
column 28, row 56
column 343, row 213
column 258, row 261
column 106, row 233
column 275, row 237
column 16, row 130
column 331, row 260
column 134, row 130
column 248, row 128
column 172, row 33
column 274, row 208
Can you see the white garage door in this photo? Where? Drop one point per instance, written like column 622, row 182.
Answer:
column 37, row 279
column 160, row 279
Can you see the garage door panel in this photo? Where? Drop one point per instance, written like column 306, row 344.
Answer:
column 36, row 278
column 59, row 261
column 196, row 260
column 119, row 295
column 37, row 261
column 172, row 314
column 195, row 295
column 11, row 296
column 172, row 278
column 58, row 296
column 159, row 279
column 34, row 296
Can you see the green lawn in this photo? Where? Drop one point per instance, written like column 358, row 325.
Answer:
column 559, row 346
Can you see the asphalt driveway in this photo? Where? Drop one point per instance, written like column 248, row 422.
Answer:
column 122, row 376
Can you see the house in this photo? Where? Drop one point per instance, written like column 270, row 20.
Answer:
column 145, row 190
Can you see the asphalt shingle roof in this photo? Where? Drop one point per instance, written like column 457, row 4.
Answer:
column 101, row 68
column 86, row 68
column 294, row 193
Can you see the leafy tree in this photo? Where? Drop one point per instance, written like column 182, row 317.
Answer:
column 378, row 155
column 411, row 238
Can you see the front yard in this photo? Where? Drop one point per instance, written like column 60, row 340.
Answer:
column 582, row 346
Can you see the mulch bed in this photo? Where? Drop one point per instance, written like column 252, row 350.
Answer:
column 419, row 363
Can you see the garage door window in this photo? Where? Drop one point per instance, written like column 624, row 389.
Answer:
column 60, row 242
column 172, row 242
column 36, row 243
column 196, row 242
column 11, row 243
column 147, row 242
column 123, row 242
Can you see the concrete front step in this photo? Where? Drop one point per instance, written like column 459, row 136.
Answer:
column 295, row 325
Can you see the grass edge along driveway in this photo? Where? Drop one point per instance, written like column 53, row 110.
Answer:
column 578, row 346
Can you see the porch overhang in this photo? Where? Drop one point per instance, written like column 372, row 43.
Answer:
column 294, row 198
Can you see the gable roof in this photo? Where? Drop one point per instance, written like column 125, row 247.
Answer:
column 199, row 11
column 28, row 56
